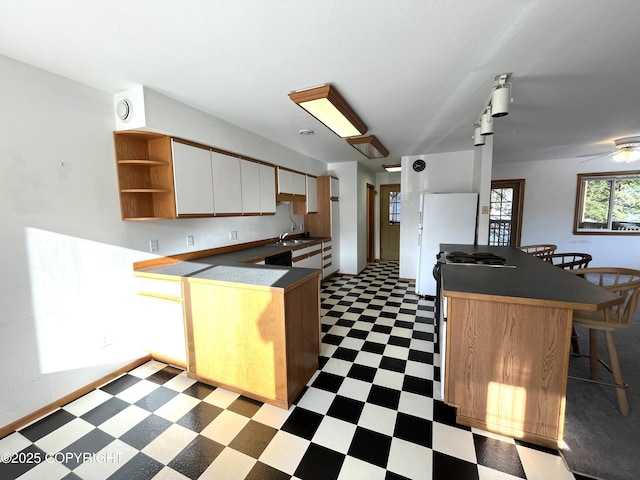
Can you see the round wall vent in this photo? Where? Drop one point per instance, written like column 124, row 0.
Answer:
column 123, row 109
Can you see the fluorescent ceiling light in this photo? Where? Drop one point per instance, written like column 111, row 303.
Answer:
column 396, row 167
column 328, row 106
column 369, row 146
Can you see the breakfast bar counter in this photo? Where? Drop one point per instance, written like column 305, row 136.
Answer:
column 506, row 338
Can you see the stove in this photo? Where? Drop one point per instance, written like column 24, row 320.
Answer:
column 486, row 259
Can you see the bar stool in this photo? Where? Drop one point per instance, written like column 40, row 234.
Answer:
column 569, row 261
column 539, row 250
column 624, row 282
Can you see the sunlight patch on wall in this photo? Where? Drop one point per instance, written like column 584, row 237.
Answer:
column 82, row 295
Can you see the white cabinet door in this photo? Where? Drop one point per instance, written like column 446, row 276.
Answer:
column 192, row 179
column 285, row 181
column 312, row 194
column 334, row 187
column 227, row 185
column 299, row 184
column 250, row 176
column 160, row 315
column 267, row 189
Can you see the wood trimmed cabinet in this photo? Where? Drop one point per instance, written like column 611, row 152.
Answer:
column 163, row 178
column 256, row 340
column 145, row 176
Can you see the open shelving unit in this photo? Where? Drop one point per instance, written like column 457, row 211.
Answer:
column 145, row 175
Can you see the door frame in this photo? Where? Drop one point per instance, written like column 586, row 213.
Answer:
column 520, row 207
column 371, row 199
column 380, row 213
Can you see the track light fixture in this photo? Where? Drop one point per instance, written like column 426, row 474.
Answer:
column 478, row 138
column 497, row 106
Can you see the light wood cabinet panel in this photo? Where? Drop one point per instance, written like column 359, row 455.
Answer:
column 250, row 177
column 227, row 184
column 506, row 367
column 267, row 189
column 259, row 341
column 193, row 180
column 145, row 176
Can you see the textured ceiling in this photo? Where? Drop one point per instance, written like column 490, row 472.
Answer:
column 418, row 72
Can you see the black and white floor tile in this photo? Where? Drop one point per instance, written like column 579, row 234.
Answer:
column 370, row 412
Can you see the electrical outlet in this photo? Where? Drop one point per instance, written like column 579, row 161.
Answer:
column 105, row 341
column 190, row 241
column 154, row 246
column 233, row 235
column 293, row 227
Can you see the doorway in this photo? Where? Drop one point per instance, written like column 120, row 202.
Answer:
column 371, row 205
column 390, row 217
column 505, row 212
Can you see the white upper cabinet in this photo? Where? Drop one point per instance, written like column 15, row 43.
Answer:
column 267, row 189
column 312, row 194
column 299, row 184
column 250, row 177
column 227, row 186
column 192, row 177
column 334, row 187
column 285, row 181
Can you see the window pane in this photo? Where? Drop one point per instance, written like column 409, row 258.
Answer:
column 595, row 213
column 626, row 200
column 394, row 208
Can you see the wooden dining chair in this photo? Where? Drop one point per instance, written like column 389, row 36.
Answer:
column 569, row 261
column 624, row 282
column 539, row 250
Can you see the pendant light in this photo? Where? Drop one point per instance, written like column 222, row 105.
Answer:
column 486, row 123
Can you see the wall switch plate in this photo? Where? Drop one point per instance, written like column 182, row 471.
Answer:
column 190, row 241
column 485, row 210
column 154, row 246
column 233, row 235
column 105, row 341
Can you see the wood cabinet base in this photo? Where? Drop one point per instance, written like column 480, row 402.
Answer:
column 506, row 367
column 258, row 341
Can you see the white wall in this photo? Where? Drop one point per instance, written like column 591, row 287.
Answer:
column 66, row 255
column 347, row 172
column 549, row 205
column 444, row 173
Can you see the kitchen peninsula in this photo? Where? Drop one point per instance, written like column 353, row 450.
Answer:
column 250, row 328
column 507, row 344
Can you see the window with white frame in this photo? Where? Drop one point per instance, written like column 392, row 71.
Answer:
column 608, row 203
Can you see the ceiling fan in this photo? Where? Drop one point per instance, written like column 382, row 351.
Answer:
column 627, row 150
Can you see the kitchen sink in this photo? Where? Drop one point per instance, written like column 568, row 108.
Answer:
column 291, row 243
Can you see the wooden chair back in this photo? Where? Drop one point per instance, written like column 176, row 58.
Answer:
column 540, row 249
column 624, row 282
column 568, row 261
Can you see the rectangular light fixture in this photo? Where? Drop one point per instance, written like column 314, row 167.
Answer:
column 328, row 106
column 396, row 167
column 369, row 146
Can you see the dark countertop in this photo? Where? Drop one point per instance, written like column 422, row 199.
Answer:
column 536, row 281
column 236, row 267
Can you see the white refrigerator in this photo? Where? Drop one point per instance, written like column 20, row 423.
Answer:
column 444, row 218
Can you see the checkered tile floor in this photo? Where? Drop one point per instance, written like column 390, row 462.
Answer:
column 368, row 413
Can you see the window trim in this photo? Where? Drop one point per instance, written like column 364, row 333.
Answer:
column 580, row 194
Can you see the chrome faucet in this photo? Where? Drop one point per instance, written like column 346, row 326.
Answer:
column 282, row 236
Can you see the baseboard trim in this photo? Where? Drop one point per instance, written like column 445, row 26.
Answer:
column 12, row 427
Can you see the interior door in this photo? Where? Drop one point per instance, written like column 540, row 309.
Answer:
column 505, row 214
column 390, row 216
